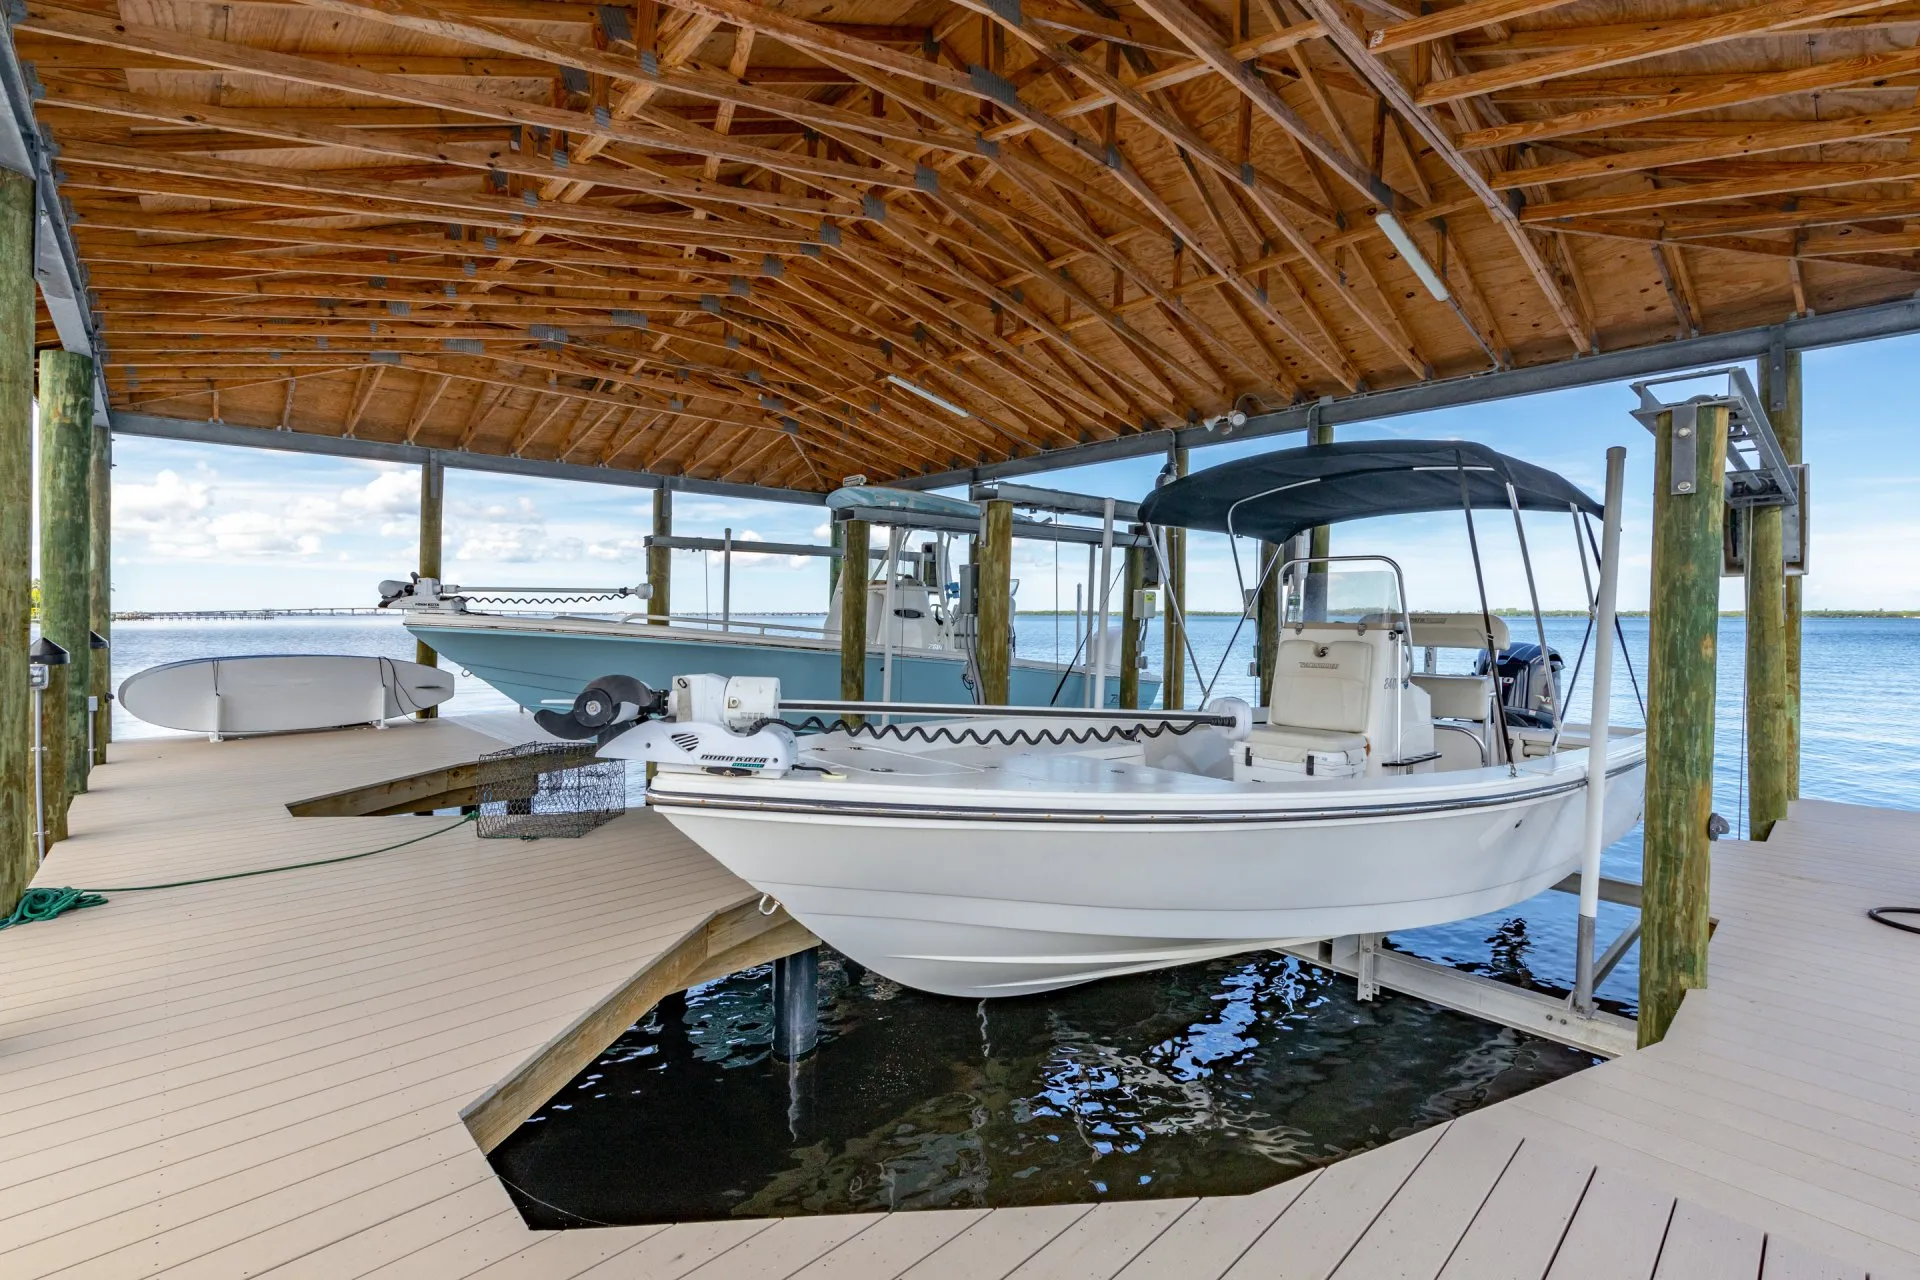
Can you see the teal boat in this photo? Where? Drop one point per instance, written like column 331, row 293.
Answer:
column 543, row 662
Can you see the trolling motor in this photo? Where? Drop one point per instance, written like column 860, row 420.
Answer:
column 705, row 722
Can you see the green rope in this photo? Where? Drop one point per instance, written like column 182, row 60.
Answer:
column 45, row 904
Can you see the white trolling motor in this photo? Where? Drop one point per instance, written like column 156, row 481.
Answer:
column 706, row 722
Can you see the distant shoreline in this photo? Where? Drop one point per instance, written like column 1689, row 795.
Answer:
column 263, row 615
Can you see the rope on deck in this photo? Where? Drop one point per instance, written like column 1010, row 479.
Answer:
column 45, row 904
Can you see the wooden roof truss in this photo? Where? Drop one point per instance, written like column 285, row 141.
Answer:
column 781, row 244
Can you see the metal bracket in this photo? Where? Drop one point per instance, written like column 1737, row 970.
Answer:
column 1685, row 453
column 1757, row 470
column 1366, row 969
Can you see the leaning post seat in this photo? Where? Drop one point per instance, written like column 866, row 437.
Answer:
column 1461, row 703
column 1322, row 700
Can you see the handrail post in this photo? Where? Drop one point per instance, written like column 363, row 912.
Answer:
column 1599, row 726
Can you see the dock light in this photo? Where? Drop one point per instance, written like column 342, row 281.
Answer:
column 1391, row 228
column 928, row 396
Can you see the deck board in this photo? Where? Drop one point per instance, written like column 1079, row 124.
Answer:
column 264, row 1076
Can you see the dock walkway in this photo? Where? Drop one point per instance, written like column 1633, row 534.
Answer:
column 264, row 1076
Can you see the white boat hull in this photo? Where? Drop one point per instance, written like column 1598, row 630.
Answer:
column 1051, row 870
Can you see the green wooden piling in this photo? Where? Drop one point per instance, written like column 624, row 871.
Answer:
column 660, row 561
column 100, row 587
column 1787, row 429
column 853, row 611
column 1136, row 580
column 1766, row 674
column 1267, row 618
column 1684, row 616
column 1173, row 644
column 433, row 495
column 994, row 648
column 66, row 546
column 18, row 857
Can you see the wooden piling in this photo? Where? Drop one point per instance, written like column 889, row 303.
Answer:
column 994, row 648
column 100, row 587
column 660, row 561
column 853, row 611
column 1135, row 580
column 1683, row 622
column 1173, row 643
column 433, row 495
column 1783, row 408
column 17, row 854
column 66, row 547
column 1267, row 618
column 1766, row 673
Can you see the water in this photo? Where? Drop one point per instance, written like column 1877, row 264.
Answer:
column 1211, row 1079
column 1208, row 1079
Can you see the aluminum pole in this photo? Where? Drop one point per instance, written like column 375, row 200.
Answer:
column 1106, row 592
column 39, row 775
column 1598, row 724
column 894, row 535
column 1086, row 661
column 726, row 582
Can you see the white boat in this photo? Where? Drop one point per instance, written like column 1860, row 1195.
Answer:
column 1019, row 851
column 281, row 693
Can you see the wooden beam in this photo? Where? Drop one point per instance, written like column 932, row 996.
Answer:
column 1209, row 48
column 1388, row 83
column 1461, row 17
column 1753, row 138
column 1668, row 38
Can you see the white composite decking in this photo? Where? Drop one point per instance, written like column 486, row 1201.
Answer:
column 265, row 1076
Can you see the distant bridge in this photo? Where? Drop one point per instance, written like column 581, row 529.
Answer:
column 149, row 615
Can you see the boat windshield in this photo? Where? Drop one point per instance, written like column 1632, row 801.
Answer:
column 1339, row 594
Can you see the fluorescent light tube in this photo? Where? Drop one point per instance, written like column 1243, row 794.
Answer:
column 928, row 396
column 1391, row 228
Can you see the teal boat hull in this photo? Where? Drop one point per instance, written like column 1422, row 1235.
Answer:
column 547, row 668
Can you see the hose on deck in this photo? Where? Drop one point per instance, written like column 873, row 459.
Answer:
column 47, row 903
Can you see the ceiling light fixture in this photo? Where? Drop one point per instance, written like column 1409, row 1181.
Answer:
column 1391, row 228
column 928, row 396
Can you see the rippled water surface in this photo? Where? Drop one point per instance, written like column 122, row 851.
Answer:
column 1209, row 1079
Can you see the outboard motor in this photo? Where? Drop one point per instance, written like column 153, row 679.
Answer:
column 605, row 704
column 1529, row 683
column 705, row 722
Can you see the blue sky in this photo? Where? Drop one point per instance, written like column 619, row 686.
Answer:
column 202, row 526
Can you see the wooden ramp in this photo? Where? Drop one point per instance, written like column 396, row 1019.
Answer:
column 266, row 1075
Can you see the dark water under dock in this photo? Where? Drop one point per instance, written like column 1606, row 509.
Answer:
column 1210, row 1079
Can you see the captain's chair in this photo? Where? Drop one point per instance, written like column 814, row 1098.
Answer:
column 1317, row 722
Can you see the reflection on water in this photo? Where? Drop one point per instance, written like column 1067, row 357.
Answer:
column 1211, row 1079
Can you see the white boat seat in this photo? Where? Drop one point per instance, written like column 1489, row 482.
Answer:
column 1317, row 721
column 1322, row 684
column 1458, row 697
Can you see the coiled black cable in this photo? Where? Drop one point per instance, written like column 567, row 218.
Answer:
column 996, row 737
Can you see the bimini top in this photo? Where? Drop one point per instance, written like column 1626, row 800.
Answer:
column 1276, row 495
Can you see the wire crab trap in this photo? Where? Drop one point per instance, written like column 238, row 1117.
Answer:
column 541, row 789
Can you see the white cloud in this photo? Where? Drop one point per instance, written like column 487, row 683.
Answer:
column 508, row 533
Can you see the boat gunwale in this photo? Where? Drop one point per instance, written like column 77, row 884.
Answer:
column 670, row 800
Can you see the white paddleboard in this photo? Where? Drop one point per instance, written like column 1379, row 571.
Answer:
column 281, row 693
